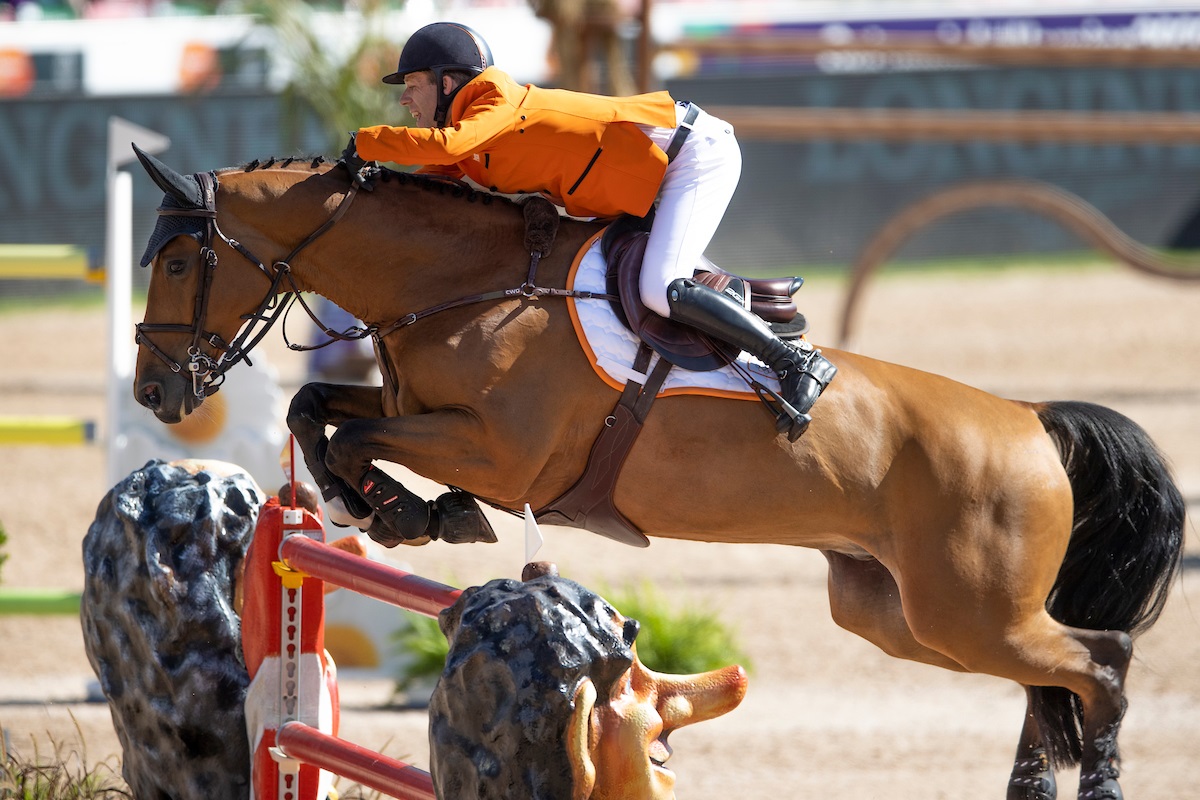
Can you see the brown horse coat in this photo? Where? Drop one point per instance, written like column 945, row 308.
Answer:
column 1026, row 541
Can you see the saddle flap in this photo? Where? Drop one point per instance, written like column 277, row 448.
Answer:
column 679, row 344
column 624, row 246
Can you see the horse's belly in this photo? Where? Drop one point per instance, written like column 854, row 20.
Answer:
column 850, row 551
column 836, row 544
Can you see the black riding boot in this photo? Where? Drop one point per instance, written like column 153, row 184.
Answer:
column 803, row 372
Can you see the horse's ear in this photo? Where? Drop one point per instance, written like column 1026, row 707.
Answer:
column 185, row 190
column 579, row 741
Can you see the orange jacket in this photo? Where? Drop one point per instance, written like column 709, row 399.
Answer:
column 583, row 151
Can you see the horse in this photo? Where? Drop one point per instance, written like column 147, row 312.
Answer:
column 1029, row 541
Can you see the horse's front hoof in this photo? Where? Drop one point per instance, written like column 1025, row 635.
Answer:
column 461, row 521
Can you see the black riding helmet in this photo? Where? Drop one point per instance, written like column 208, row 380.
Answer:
column 441, row 47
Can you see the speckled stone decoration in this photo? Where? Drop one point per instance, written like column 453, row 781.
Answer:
column 160, row 629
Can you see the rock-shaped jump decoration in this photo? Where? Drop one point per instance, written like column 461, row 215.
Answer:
column 160, row 628
column 544, row 696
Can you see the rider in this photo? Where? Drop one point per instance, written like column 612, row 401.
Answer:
column 596, row 157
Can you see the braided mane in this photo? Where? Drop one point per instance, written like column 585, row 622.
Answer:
column 442, row 185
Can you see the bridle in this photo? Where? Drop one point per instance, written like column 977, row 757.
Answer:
column 208, row 373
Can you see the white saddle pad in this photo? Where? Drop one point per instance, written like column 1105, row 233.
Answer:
column 611, row 347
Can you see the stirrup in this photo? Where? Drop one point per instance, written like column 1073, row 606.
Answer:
column 787, row 418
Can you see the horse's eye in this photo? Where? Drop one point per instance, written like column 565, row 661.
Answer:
column 176, row 266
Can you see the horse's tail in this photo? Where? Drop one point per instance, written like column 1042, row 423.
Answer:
column 1126, row 543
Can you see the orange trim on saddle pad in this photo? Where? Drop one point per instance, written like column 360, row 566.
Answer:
column 678, row 375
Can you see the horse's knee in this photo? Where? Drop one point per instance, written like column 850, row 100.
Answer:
column 304, row 411
column 345, row 452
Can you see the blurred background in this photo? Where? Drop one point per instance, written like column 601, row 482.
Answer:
column 847, row 111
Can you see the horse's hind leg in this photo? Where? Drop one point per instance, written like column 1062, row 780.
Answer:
column 1112, row 650
column 1032, row 775
column 864, row 599
column 1055, row 660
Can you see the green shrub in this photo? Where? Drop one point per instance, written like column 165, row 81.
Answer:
column 681, row 641
column 424, row 646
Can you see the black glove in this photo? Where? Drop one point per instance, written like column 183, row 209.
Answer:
column 354, row 164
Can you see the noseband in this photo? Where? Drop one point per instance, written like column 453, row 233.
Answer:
column 208, row 373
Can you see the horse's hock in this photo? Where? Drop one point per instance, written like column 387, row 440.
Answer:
column 160, row 628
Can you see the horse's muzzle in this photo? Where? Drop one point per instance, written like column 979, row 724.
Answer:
column 170, row 403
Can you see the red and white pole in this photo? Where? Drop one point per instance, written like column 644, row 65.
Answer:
column 367, row 767
column 364, row 576
column 292, row 678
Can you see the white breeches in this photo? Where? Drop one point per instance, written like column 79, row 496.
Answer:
column 695, row 192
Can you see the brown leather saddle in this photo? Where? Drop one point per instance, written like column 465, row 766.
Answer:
column 624, row 245
column 589, row 503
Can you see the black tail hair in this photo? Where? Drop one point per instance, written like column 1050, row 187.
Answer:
column 1126, row 544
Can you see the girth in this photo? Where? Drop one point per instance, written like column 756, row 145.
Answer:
column 589, row 503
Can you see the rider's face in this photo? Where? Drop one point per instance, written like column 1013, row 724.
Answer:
column 420, row 97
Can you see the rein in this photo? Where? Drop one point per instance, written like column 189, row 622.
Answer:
column 528, row 290
column 208, row 373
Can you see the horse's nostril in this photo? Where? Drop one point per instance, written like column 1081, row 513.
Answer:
column 151, row 396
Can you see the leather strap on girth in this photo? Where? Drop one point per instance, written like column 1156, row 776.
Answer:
column 589, row 503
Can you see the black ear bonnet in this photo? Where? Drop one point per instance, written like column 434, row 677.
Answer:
column 183, row 192
column 169, row 226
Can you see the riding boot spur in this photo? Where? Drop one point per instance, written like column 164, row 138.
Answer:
column 402, row 516
column 803, row 372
